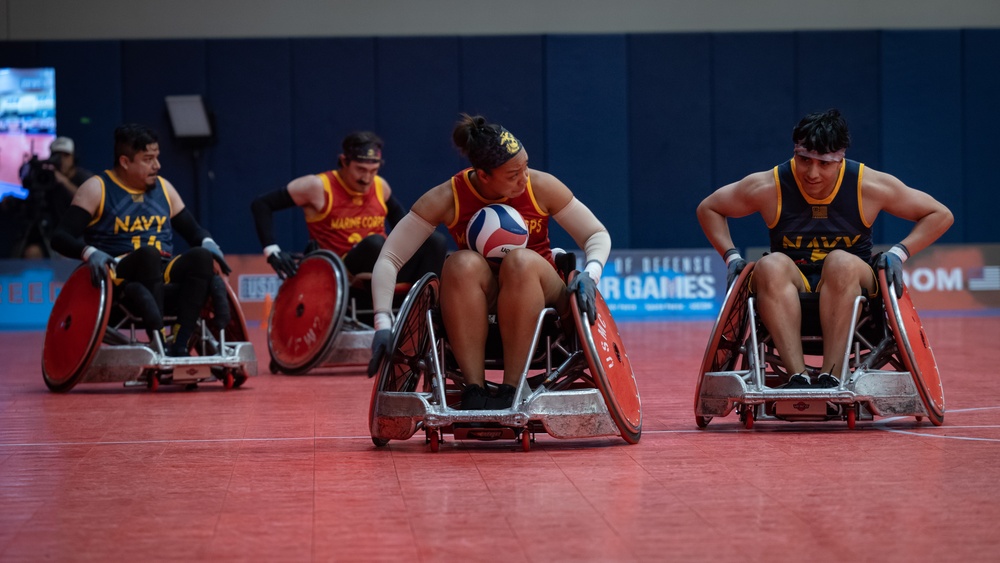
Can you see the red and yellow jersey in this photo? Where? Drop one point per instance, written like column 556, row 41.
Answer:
column 468, row 201
column 347, row 216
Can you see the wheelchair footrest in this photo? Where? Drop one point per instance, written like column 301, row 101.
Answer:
column 580, row 413
column 882, row 393
column 132, row 361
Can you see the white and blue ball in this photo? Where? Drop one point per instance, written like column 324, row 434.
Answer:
column 495, row 230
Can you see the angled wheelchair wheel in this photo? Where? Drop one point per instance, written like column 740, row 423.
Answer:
column 611, row 368
column 75, row 329
column 914, row 349
column 236, row 330
column 308, row 312
column 727, row 337
column 407, row 362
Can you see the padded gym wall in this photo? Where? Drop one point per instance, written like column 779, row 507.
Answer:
column 922, row 120
column 640, row 126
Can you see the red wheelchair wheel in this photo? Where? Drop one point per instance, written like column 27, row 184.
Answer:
column 75, row 330
column 406, row 362
column 727, row 335
column 914, row 349
column 610, row 367
column 308, row 313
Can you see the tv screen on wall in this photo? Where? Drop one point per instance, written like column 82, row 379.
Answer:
column 27, row 121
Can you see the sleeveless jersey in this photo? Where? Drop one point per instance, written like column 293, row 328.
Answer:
column 347, row 216
column 127, row 219
column 807, row 229
column 468, row 201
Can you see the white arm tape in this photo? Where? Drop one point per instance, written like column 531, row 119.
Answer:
column 87, row 252
column 402, row 243
column 588, row 232
column 271, row 249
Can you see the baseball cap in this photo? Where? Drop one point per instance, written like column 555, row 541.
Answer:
column 62, row 144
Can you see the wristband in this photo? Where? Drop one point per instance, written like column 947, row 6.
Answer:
column 594, row 269
column 730, row 255
column 271, row 249
column 87, row 251
column 383, row 320
column 900, row 250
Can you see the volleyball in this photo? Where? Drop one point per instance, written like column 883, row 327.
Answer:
column 495, row 230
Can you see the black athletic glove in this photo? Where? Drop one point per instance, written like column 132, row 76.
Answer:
column 283, row 263
column 893, row 267
column 586, row 294
column 210, row 245
column 380, row 347
column 99, row 262
column 734, row 266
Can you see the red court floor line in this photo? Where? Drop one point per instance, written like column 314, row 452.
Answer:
column 283, row 470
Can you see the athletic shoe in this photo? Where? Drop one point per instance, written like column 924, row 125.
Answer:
column 827, row 381
column 473, row 398
column 503, row 399
column 799, row 381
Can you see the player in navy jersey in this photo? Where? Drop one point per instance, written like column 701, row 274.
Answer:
column 819, row 208
column 125, row 219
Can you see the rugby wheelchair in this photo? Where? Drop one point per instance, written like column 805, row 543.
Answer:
column 582, row 383
column 888, row 367
column 93, row 337
column 320, row 319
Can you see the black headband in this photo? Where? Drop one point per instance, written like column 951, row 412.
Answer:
column 368, row 152
column 501, row 147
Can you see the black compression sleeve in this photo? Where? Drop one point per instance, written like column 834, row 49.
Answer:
column 394, row 211
column 68, row 238
column 262, row 208
column 187, row 226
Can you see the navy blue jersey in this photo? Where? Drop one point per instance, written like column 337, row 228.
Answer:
column 807, row 229
column 127, row 219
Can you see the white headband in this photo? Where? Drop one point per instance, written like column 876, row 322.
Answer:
column 836, row 156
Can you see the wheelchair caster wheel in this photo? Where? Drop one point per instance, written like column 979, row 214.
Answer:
column 747, row 417
column 702, row 421
column 229, row 381
column 380, row 442
column 526, row 440
column 852, row 417
column 153, row 383
column 273, row 366
column 434, row 439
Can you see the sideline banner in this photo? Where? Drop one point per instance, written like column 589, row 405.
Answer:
column 649, row 285
column 663, row 284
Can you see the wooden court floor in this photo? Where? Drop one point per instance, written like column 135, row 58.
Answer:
column 283, row 469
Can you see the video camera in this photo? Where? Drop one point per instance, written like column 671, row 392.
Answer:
column 40, row 175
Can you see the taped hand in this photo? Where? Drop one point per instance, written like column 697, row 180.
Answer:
column 733, row 270
column 99, row 262
column 210, row 245
column 380, row 347
column 893, row 267
column 283, row 263
column 586, row 294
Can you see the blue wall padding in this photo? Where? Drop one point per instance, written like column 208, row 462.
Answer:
column 922, row 119
column 587, row 123
column 980, row 134
column 641, row 127
column 669, row 137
